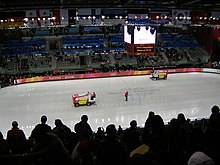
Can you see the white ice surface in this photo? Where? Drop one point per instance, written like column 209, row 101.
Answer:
column 190, row 93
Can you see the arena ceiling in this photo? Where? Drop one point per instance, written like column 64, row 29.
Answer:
column 8, row 5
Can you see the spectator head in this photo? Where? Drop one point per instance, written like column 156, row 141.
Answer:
column 111, row 131
column 100, row 130
column 133, row 124
column 14, row 124
column 58, row 122
column 43, row 119
column 84, row 118
column 151, row 114
column 174, row 123
column 215, row 109
column 157, row 123
column 181, row 118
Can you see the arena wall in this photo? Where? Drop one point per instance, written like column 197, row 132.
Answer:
column 113, row 74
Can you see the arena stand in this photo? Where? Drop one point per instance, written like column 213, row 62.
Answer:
column 153, row 60
column 172, row 49
column 181, row 48
column 98, row 58
column 67, row 61
column 11, row 64
column 124, row 59
column 40, row 62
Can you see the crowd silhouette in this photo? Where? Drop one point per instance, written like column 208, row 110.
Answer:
column 180, row 142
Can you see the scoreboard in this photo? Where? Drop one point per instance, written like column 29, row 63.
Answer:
column 140, row 39
column 140, row 49
column 144, row 49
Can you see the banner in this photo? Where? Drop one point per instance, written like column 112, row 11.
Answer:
column 44, row 13
column 56, row 16
column 85, row 22
column 38, row 17
column 215, row 17
column 108, row 74
column 113, row 21
column 138, row 18
column 89, row 12
column 215, row 14
column 64, row 17
column 85, row 12
column 109, row 11
column 45, row 22
column 200, row 17
column 159, row 17
column 32, row 23
column 7, row 25
column 31, row 13
column 181, row 17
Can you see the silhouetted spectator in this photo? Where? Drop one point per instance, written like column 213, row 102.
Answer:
column 148, row 124
column 196, row 137
column 43, row 120
column 4, row 147
column 82, row 128
column 48, row 149
column 100, row 134
column 183, row 122
column 215, row 109
column 5, row 152
column 177, row 139
column 120, row 132
column 156, row 138
column 148, row 121
column 131, row 136
column 84, row 151
column 16, row 139
column 214, row 119
column 156, row 132
column 43, row 125
column 64, row 133
column 111, row 150
column 212, row 136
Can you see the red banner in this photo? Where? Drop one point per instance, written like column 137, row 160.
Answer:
column 159, row 17
column 200, row 17
column 56, row 17
column 102, row 75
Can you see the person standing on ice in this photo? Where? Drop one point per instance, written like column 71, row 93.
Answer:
column 94, row 95
column 152, row 70
column 126, row 96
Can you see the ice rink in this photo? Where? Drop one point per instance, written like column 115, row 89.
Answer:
column 190, row 93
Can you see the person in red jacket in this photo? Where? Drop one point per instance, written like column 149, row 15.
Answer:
column 126, row 96
column 94, row 95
